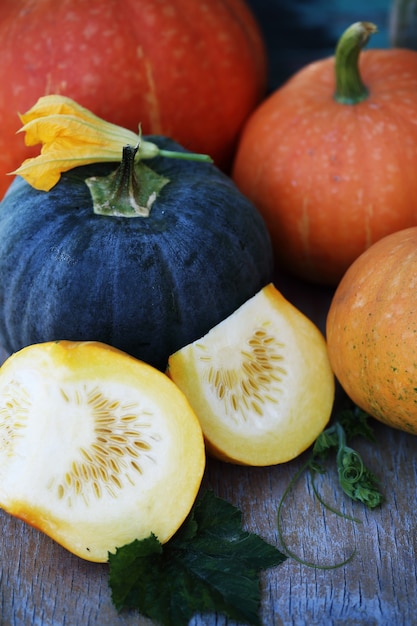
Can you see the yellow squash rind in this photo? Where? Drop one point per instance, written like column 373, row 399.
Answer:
column 260, row 382
column 97, row 448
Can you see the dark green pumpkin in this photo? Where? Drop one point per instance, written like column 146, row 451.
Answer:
column 146, row 285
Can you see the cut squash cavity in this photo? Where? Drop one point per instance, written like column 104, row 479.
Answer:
column 260, row 382
column 96, row 448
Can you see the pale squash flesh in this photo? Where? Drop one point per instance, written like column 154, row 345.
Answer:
column 260, row 382
column 97, row 448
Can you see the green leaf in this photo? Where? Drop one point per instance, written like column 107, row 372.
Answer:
column 210, row 565
column 325, row 442
column 355, row 479
column 355, row 423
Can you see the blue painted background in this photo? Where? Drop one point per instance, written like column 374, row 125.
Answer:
column 300, row 31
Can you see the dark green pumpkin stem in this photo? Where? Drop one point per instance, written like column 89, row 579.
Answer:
column 350, row 88
column 125, row 187
column 129, row 191
column 132, row 188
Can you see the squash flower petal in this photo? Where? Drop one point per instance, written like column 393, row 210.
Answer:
column 71, row 136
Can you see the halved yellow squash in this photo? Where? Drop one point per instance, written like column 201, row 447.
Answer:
column 96, row 448
column 260, row 382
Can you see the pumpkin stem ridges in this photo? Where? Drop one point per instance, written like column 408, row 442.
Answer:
column 349, row 86
column 129, row 191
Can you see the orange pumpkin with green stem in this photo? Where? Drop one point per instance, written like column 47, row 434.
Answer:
column 330, row 158
column 372, row 331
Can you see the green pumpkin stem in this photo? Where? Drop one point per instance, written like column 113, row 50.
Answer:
column 350, row 88
column 129, row 191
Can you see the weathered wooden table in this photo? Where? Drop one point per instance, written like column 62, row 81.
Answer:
column 44, row 585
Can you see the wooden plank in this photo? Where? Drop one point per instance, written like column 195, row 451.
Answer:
column 44, row 585
column 41, row 584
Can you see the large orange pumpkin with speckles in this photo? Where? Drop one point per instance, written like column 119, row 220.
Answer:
column 190, row 70
column 333, row 175
column 372, row 330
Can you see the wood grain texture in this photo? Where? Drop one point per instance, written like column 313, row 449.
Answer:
column 43, row 585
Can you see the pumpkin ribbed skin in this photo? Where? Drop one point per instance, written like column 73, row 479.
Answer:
column 147, row 286
column 165, row 64
column 331, row 179
column 372, row 329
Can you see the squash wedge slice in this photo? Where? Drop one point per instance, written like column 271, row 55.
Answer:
column 97, row 449
column 260, row 382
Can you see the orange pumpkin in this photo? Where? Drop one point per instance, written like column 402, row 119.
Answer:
column 190, row 70
column 330, row 157
column 372, row 330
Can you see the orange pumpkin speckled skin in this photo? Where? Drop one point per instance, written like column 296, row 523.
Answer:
column 331, row 179
column 372, row 331
column 192, row 71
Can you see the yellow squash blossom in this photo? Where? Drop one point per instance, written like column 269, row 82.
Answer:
column 72, row 136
